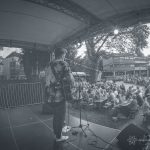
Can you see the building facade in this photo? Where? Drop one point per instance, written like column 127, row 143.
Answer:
column 12, row 68
column 122, row 65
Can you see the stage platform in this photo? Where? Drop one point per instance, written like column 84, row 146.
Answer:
column 26, row 128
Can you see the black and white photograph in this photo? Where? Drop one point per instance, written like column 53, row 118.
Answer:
column 74, row 74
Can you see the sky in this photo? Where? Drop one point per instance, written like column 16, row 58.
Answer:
column 7, row 50
column 146, row 51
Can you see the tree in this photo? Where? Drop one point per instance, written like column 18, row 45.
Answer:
column 129, row 40
column 74, row 61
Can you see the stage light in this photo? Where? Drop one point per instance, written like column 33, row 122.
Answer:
column 116, row 31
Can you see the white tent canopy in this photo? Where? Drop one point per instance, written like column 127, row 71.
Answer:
column 44, row 23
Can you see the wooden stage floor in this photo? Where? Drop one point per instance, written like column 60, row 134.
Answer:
column 26, row 128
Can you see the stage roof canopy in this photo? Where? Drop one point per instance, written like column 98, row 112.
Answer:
column 42, row 24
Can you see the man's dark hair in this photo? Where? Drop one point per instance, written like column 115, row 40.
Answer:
column 59, row 52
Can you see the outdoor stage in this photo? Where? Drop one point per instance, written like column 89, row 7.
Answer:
column 26, row 128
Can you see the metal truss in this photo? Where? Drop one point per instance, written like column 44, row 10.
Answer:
column 70, row 8
column 121, row 20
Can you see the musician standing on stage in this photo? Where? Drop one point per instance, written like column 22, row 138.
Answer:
column 58, row 73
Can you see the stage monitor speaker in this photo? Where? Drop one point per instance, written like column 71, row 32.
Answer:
column 132, row 138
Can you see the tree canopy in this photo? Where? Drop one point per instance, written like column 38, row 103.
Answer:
column 128, row 40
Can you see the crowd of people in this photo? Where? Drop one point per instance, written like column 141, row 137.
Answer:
column 115, row 97
column 102, row 95
column 138, row 80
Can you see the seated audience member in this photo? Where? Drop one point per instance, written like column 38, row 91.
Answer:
column 133, row 105
column 90, row 95
column 93, row 92
column 147, row 91
column 104, row 98
column 115, row 92
column 111, row 98
column 129, row 92
column 146, row 111
column 105, row 94
column 121, row 98
column 85, row 95
column 111, row 95
column 74, row 94
column 126, row 109
column 146, row 106
column 116, row 101
column 139, row 98
column 122, row 87
column 97, row 94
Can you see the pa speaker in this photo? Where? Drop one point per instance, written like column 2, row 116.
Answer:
column 132, row 138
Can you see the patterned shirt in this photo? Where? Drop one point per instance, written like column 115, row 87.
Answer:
column 57, row 72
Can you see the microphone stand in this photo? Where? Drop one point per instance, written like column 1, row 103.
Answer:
column 80, row 126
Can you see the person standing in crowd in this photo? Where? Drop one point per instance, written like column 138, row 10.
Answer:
column 58, row 75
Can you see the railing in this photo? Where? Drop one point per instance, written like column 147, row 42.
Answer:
column 20, row 94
